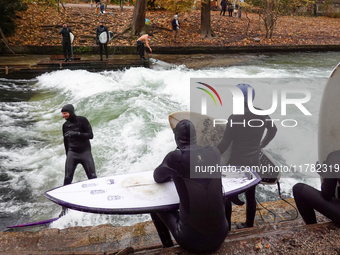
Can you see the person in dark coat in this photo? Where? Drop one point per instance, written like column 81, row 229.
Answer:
column 223, row 7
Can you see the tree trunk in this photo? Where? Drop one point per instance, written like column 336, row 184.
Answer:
column 138, row 20
column 206, row 31
column 248, row 25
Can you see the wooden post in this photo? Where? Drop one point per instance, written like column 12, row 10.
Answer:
column 6, row 70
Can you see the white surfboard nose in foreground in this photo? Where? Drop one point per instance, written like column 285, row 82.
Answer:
column 133, row 193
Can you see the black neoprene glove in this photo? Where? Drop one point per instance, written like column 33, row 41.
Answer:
column 71, row 133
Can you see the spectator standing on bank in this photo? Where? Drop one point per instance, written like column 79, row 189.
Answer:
column 236, row 11
column 98, row 3
column 230, row 9
column 223, row 7
column 175, row 28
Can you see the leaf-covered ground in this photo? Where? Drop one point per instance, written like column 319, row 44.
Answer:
column 40, row 26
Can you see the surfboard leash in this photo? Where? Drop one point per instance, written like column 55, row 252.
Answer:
column 296, row 210
column 7, row 46
column 273, row 213
column 269, row 211
column 114, row 50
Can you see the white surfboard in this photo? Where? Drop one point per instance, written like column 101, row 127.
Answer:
column 134, row 193
column 71, row 37
column 161, row 63
column 329, row 117
column 103, row 37
column 208, row 135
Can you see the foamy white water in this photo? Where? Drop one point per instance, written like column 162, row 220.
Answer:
column 128, row 111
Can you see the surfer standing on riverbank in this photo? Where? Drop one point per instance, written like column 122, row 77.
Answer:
column 140, row 45
column 246, row 145
column 65, row 32
column 200, row 225
column 100, row 29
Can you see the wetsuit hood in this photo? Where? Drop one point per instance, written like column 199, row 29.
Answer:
column 244, row 88
column 70, row 109
column 185, row 134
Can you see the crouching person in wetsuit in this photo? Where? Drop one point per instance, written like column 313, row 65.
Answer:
column 77, row 133
column 327, row 200
column 200, row 225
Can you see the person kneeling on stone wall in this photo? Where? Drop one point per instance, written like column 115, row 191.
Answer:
column 200, row 224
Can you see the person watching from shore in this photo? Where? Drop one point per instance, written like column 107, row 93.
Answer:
column 65, row 32
column 326, row 201
column 101, row 29
column 77, row 133
column 246, row 142
column 175, row 28
column 230, row 9
column 98, row 6
column 223, row 7
column 201, row 223
column 141, row 43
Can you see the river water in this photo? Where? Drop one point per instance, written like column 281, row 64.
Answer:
column 128, row 112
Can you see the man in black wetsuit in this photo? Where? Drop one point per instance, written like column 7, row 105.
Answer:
column 200, row 225
column 327, row 200
column 246, row 145
column 65, row 32
column 100, row 29
column 77, row 133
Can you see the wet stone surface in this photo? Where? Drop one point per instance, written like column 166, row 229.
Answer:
column 266, row 237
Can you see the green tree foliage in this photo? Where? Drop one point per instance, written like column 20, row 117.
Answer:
column 8, row 15
column 175, row 6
